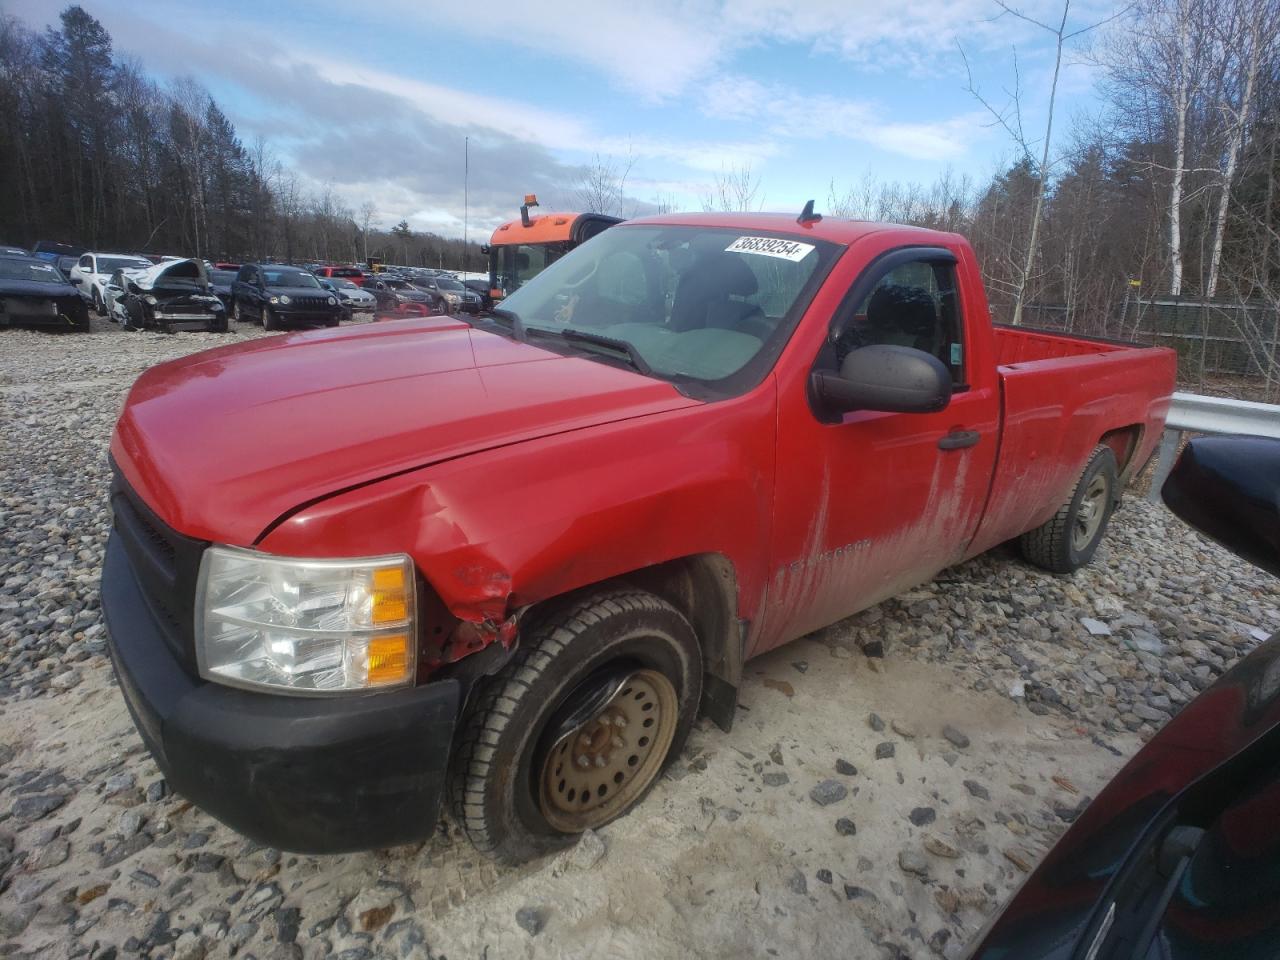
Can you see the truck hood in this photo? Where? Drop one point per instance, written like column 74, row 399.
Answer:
column 222, row 444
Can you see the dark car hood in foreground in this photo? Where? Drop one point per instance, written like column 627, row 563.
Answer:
column 223, row 443
column 1223, row 749
column 36, row 288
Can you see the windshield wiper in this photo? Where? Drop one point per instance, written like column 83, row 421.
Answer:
column 621, row 346
column 517, row 325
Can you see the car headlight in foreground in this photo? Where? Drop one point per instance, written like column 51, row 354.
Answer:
column 305, row 627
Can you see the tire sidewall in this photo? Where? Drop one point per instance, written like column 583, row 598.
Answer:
column 1103, row 461
column 659, row 639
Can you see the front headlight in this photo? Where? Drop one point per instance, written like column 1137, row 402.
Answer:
column 332, row 301
column 150, row 300
column 305, row 627
column 273, row 299
column 284, row 298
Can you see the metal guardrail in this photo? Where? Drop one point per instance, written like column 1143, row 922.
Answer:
column 1192, row 413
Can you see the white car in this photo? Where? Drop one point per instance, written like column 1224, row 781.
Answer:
column 93, row 271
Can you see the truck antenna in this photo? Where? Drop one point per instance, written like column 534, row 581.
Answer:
column 807, row 215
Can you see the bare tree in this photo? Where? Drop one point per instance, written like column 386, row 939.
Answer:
column 1010, row 118
column 603, row 186
column 734, row 190
column 1249, row 29
column 367, row 210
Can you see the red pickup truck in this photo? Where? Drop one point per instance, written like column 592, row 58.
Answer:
column 511, row 558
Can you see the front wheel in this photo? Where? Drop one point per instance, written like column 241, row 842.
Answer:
column 269, row 319
column 576, row 728
column 1068, row 540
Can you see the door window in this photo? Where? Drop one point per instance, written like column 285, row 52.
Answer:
column 913, row 305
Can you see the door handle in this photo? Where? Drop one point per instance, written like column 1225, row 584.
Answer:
column 959, row 439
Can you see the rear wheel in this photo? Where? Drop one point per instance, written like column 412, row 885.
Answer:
column 576, row 728
column 1070, row 538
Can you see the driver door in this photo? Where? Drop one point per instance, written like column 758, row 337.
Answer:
column 873, row 503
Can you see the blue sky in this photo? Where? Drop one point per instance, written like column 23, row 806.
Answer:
column 375, row 102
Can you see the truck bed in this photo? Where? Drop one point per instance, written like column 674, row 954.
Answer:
column 1026, row 344
column 1060, row 396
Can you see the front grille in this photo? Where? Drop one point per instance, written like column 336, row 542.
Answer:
column 309, row 303
column 165, row 563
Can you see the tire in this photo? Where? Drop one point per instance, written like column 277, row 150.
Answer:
column 219, row 326
column 625, row 639
column 269, row 319
column 98, row 306
column 1068, row 541
column 236, row 314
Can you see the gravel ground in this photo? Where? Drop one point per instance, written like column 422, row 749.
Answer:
column 888, row 782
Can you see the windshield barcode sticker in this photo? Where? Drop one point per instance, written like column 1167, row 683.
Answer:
column 771, row 247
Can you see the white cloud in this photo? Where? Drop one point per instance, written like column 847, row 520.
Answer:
column 789, row 115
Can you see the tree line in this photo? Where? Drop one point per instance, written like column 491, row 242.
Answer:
column 96, row 153
column 1167, row 194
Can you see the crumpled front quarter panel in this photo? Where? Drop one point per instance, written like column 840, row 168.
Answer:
column 501, row 529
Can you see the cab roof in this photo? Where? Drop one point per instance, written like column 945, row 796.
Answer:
column 831, row 229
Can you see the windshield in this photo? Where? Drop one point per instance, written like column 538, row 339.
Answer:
column 511, row 267
column 221, row 278
column 687, row 302
column 396, row 284
column 289, row 278
column 444, row 283
column 27, row 270
column 340, row 284
column 344, row 272
column 112, row 264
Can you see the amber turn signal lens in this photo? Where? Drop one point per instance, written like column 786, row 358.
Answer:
column 388, row 659
column 390, row 596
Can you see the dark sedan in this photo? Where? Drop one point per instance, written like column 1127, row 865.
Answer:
column 220, row 281
column 33, row 292
column 481, row 289
column 393, row 294
column 1179, row 857
column 276, row 295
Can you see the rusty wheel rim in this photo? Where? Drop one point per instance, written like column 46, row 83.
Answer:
column 597, row 770
column 1093, row 507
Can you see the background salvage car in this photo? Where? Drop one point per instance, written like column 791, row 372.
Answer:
column 93, row 270
column 274, row 295
column 351, row 297
column 34, row 292
column 171, row 296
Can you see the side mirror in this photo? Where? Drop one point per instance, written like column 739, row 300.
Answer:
column 885, row 377
column 1228, row 488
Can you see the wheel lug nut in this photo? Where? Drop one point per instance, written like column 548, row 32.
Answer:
column 617, row 741
column 600, row 761
column 620, row 720
column 584, row 760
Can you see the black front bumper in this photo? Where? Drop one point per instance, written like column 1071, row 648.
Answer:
column 311, row 775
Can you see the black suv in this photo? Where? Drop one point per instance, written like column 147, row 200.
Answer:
column 275, row 295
